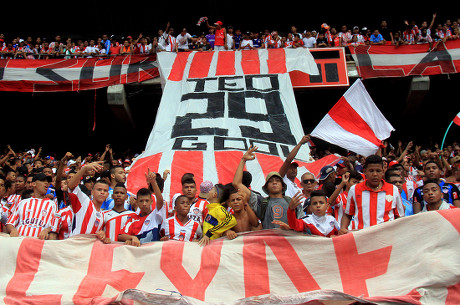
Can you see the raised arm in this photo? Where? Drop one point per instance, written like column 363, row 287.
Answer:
column 152, row 184
column 284, row 168
column 75, row 181
column 238, row 178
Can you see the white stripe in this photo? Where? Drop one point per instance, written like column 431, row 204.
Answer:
column 358, row 98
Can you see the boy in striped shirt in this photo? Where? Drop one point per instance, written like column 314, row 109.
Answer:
column 116, row 218
column 180, row 227
column 89, row 218
column 145, row 226
column 372, row 201
column 32, row 217
column 319, row 222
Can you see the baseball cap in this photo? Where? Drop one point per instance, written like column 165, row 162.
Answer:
column 205, row 187
column 392, row 163
column 41, row 177
column 269, row 176
column 325, row 172
column 341, row 163
column 218, row 23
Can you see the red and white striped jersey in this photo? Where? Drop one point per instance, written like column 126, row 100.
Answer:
column 198, row 210
column 4, row 214
column 371, row 207
column 115, row 221
column 88, row 220
column 62, row 222
column 13, row 200
column 409, row 187
column 339, row 207
column 32, row 215
column 176, row 230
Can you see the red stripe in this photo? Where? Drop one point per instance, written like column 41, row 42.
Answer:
column 226, row 63
column 200, row 65
column 178, row 67
column 276, row 61
column 195, row 227
column 250, row 62
column 185, row 162
column 347, row 117
column 373, row 200
column 171, row 228
column 136, row 177
column 226, row 163
column 269, row 163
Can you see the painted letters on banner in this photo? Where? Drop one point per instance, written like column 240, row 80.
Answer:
column 374, row 61
column 52, row 75
column 385, row 263
column 215, row 105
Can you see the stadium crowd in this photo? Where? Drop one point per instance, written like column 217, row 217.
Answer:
column 50, row 197
column 220, row 37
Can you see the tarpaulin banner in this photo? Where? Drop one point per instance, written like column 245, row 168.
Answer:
column 411, row 260
column 75, row 74
column 215, row 105
column 374, row 61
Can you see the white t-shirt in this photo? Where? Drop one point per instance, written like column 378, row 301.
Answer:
column 229, row 42
column 292, row 188
column 309, row 42
column 182, row 41
column 246, row 44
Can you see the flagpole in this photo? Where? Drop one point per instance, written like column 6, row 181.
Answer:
column 442, row 144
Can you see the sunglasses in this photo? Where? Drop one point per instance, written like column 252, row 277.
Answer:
column 306, row 181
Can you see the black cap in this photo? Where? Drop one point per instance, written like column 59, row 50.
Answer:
column 41, row 177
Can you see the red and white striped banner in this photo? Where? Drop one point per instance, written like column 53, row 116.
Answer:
column 374, row 61
column 384, row 264
column 217, row 104
column 48, row 75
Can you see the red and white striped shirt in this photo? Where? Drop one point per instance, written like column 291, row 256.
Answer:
column 13, row 200
column 371, row 207
column 176, row 230
column 62, row 222
column 115, row 221
column 339, row 207
column 32, row 215
column 198, row 210
column 88, row 220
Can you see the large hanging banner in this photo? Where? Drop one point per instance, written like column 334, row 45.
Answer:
column 215, row 105
column 53, row 75
column 385, row 264
column 374, row 61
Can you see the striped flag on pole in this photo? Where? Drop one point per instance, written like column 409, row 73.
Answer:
column 355, row 123
column 457, row 119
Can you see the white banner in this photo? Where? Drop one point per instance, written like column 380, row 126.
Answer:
column 386, row 263
column 215, row 105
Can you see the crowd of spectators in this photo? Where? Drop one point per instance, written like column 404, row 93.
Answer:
column 227, row 37
column 56, row 197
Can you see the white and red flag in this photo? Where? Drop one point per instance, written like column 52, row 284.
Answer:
column 457, row 119
column 355, row 123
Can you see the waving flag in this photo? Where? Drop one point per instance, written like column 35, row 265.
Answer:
column 355, row 123
column 457, row 119
column 217, row 104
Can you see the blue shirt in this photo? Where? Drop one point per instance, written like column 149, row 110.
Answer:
column 376, row 39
